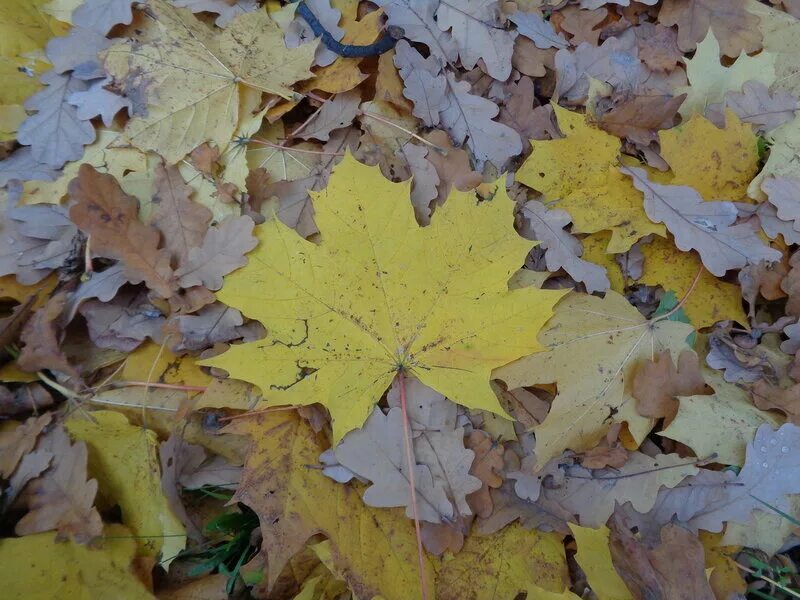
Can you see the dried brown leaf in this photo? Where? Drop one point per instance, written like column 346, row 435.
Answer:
column 63, row 497
column 19, row 441
column 182, row 222
column 486, row 466
column 658, row 383
column 41, row 338
column 110, row 217
column 673, row 570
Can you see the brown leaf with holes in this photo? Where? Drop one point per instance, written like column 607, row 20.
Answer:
column 657, row 384
column 110, row 217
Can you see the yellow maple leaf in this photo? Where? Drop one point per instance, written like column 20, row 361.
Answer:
column 191, row 76
column 593, row 346
column 379, row 294
column 503, row 564
column 616, row 206
column 25, row 27
column 580, row 159
column 720, row 424
column 124, row 460
column 37, row 567
column 374, row 550
column 712, row 299
column 718, row 163
column 594, row 557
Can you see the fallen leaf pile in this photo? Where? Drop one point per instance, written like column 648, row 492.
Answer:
column 507, row 311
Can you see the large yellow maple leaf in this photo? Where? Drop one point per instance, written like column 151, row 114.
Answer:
column 380, row 294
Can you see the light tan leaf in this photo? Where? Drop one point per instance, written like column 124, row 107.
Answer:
column 707, row 227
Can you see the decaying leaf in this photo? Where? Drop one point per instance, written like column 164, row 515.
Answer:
column 188, row 106
column 562, row 250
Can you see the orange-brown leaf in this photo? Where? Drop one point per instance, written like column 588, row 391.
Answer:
column 657, row 383
column 110, row 218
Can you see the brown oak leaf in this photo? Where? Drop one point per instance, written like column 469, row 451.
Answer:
column 657, row 384
column 110, row 217
column 63, row 497
column 735, row 28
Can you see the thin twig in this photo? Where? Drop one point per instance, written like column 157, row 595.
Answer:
column 628, row 475
column 258, row 412
column 410, row 462
column 293, row 149
column 165, row 386
column 388, row 122
column 769, row 580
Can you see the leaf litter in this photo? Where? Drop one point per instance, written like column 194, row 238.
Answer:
column 404, row 299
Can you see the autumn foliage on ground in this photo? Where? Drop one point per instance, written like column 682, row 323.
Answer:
column 509, row 310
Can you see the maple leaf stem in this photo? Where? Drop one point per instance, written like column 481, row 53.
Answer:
column 401, row 382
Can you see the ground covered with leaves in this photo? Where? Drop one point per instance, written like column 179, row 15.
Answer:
column 456, row 299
